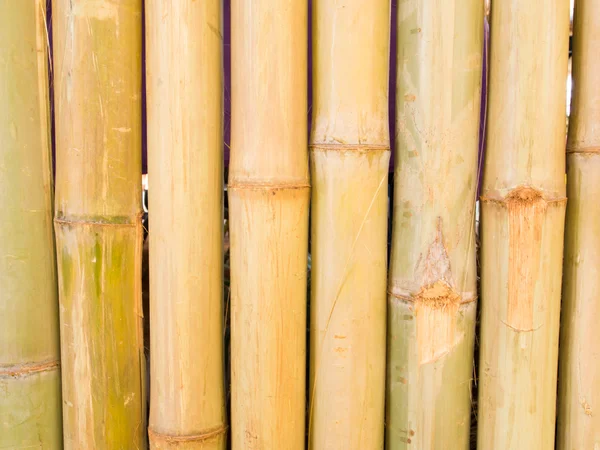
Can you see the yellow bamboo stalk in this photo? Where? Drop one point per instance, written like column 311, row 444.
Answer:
column 30, row 400
column 97, row 63
column 185, row 138
column 523, row 208
column 432, row 286
column 350, row 155
column 268, row 207
column 579, row 362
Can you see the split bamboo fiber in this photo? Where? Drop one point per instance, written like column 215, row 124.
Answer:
column 432, row 286
column 187, row 408
column 97, row 66
column 268, row 206
column 523, row 210
column 579, row 372
column 350, row 153
column 30, row 402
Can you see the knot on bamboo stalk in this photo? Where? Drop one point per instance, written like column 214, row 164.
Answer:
column 524, row 195
column 438, row 295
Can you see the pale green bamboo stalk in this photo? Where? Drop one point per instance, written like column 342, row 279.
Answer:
column 523, row 207
column 185, row 157
column 579, row 361
column 268, row 208
column 349, row 165
column 30, row 400
column 97, row 66
column 432, row 286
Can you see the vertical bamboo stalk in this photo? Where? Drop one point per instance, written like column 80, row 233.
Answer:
column 269, row 201
column 30, row 400
column 579, row 392
column 350, row 153
column 187, row 408
column 432, row 286
column 97, row 63
column 523, row 208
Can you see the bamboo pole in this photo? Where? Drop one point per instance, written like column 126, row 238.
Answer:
column 432, row 286
column 30, row 401
column 523, row 208
column 97, row 63
column 187, row 407
column 350, row 152
column 268, row 207
column 579, row 370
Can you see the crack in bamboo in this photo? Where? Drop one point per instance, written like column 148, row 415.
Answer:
column 199, row 437
column 31, row 368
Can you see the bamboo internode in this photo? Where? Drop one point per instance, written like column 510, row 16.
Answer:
column 349, row 166
column 579, row 391
column 268, row 207
column 30, row 400
column 97, row 67
column 523, row 209
column 187, row 408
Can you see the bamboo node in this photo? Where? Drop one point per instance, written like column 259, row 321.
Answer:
column 26, row 369
column 438, row 295
column 114, row 221
column 264, row 186
column 205, row 435
column 430, row 292
column 585, row 150
column 358, row 148
column 522, row 196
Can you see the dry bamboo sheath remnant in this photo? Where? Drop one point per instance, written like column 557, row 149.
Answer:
column 579, row 391
column 523, row 209
column 268, row 208
column 97, row 68
column 349, row 166
column 184, row 88
column 30, row 400
column 432, row 285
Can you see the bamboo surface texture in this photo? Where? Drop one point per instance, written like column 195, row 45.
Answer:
column 30, row 401
column 349, row 167
column 97, row 66
column 579, row 362
column 187, row 408
column 432, row 285
column 268, row 207
column 523, row 209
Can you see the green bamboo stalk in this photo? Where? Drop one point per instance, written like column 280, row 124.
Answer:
column 432, row 286
column 579, row 362
column 97, row 66
column 350, row 152
column 185, row 130
column 523, row 209
column 268, row 207
column 30, row 400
